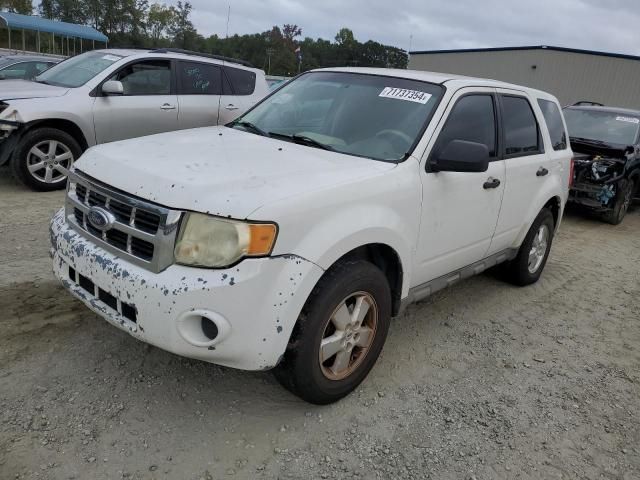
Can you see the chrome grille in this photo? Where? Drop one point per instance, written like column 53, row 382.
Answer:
column 143, row 232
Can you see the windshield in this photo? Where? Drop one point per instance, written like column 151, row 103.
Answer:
column 602, row 126
column 365, row 115
column 77, row 71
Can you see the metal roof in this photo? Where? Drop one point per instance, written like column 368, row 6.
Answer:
column 29, row 22
column 533, row 47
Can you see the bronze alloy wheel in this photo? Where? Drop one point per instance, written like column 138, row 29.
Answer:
column 348, row 336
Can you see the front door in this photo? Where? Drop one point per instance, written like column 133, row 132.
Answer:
column 460, row 209
column 147, row 106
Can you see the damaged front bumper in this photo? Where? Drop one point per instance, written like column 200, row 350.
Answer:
column 595, row 183
column 240, row 317
column 8, row 138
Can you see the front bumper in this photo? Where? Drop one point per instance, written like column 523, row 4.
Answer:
column 254, row 304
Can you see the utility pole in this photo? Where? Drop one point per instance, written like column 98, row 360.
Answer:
column 270, row 51
column 228, row 18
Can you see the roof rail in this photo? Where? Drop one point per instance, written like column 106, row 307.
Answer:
column 206, row 55
column 587, row 103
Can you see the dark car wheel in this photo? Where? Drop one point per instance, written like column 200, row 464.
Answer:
column 339, row 335
column 622, row 203
column 43, row 157
column 532, row 256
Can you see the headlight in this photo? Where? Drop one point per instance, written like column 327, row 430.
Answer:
column 206, row 241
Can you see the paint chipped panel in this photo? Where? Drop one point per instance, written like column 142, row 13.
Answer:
column 260, row 298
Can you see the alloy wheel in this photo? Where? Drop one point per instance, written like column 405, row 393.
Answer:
column 538, row 248
column 348, row 336
column 49, row 161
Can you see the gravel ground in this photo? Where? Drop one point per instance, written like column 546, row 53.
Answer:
column 482, row 381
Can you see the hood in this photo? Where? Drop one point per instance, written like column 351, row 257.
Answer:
column 219, row 170
column 20, row 89
column 612, row 150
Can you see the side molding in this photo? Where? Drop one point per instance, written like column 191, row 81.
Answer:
column 424, row 290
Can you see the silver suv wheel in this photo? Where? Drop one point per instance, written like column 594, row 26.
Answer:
column 49, row 161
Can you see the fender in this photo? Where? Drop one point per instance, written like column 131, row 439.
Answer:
column 383, row 208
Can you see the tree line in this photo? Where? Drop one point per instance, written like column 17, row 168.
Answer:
column 136, row 23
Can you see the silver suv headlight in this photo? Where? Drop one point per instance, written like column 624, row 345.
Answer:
column 206, row 241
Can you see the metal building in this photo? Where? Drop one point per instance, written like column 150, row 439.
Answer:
column 571, row 75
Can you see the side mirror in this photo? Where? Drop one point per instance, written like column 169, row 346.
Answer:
column 461, row 156
column 112, row 87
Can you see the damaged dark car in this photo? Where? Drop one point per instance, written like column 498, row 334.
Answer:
column 606, row 145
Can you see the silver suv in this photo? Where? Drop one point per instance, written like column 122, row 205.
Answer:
column 107, row 95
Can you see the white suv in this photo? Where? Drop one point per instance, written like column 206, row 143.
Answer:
column 289, row 238
column 106, row 95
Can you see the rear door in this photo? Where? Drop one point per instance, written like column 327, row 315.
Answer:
column 199, row 90
column 238, row 95
column 528, row 166
column 149, row 103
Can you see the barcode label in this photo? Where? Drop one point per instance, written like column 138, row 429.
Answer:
column 404, row 94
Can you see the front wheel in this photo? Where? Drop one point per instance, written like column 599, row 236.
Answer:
column 622, row 203
column 532, row 256
column 339, row 335
column 43, row 157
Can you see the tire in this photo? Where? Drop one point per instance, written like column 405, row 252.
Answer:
column 51, row 176
column 520, row 271
column 623, row 200
column 338, row 291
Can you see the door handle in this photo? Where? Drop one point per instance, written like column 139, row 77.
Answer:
column 541, row 172
column 231, row 107
column 167, row 106
column 491, row 183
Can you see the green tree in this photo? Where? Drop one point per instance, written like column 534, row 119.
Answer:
column 159, row 20
column 24, row 7
column 182, row 29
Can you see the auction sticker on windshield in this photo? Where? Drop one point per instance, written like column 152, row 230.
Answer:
column 404, row 94
column 628, row 119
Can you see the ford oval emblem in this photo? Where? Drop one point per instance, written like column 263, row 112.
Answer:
column 101, row 219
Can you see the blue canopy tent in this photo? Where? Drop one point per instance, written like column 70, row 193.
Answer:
column 65, row 32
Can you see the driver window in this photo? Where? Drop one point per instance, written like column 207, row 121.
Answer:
column 145, row 78
column 472, row 119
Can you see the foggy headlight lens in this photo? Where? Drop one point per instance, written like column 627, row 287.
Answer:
column 207, row 241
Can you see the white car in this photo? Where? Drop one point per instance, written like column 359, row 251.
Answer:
column 291, row 237
column 107, row 95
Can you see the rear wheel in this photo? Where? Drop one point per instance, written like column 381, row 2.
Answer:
column 43, row 157
column 339, row 334
column 622, row 203
column 527, row 267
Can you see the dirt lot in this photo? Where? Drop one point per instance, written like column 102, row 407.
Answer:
column 482, row 381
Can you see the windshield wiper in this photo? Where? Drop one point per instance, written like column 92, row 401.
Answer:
column 251, row 127
column 303, row 139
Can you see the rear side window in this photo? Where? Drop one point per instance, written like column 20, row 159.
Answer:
column 472, row 119
column 199, row 79
column 520, row 127
column 553, row 119
column 243, row 82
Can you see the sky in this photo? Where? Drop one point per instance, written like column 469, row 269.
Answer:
column 604, row 25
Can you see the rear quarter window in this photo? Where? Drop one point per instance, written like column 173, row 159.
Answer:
column 553, row 119
column 243, row 82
